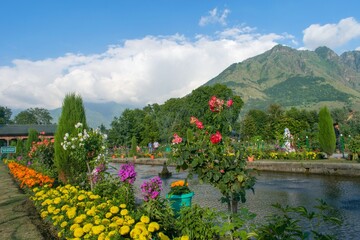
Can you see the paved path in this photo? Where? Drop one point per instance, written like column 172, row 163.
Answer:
column 16, row 222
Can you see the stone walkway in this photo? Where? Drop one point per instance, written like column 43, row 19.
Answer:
column 16, row 221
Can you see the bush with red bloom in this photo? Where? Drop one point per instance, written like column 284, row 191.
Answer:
column 208, row 151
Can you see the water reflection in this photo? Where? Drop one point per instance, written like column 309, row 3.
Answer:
column 343, row 193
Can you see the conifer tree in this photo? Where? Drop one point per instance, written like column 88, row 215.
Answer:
column 326, row 131
column 72, row 113
column 33, row 136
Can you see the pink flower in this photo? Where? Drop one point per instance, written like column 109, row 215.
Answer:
column 222, row 171
column 229, row 103
column 215, row 138
column 176, row 139
column 216, row 104
column 199, row 124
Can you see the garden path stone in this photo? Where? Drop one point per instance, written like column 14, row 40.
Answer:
column 16, row 221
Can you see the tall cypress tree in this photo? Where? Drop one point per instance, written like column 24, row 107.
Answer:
column 326, row 131
column 72, row 113
column 33, row 136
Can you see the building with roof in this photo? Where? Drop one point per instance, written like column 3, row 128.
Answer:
column 17, row 131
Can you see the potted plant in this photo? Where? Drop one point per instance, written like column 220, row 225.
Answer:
column 180, row 195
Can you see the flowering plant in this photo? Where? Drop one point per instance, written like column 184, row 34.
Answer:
column 127, row 173
column 87, row 151
column 179, row 187
column 209, row 151
column 151, row 189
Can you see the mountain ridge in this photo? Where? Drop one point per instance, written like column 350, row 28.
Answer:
column 320, row 77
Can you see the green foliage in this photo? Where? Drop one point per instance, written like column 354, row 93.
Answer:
column 159, row 210
column 38, row 116
column 20, row 147
column 299, row 223
column 119, row 192
column 197, row 222
column 354, row 147
column 133, row 146
column 5, row 115
column 326, row 132
column 72, row 113
column 33, row 136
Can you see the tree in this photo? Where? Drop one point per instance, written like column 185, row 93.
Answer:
column 5, row 115
column 326, row 131
column 38, row 116
column 73, row 112
column 33, row 136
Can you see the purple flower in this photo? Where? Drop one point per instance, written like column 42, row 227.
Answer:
column 151, row 189
column 127, row 173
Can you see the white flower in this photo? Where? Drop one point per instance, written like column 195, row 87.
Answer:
column 78, row 125
column 80, row 134
column 105, row 136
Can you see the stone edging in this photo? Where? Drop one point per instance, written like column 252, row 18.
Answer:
column 311, row 167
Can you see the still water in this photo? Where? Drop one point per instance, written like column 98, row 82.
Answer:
column 342, row 193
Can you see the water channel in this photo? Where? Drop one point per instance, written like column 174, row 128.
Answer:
column 342, row 193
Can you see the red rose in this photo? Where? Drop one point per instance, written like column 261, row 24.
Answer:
column 229, row 103
column 216, row 138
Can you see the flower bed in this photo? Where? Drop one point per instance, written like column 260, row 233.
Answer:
column 78, row 213
column 28, row 177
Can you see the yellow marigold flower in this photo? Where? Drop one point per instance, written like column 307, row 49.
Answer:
column 115, row 218
column 87, row 227
column 124, row 212
column 108, row 215
column 91, row 212
column 114, row 209
column 51, row 209
column 124, row 230
column 57, row 200
column 135, row 233
column 44, row 214
column 56, row 211
column 123, row 205
column 78, row 219
column 131, row 221
column 60, row 234
column 63, row 224
column 145, row 219
column 78, row 232
column 162, row 236
column 75, row 225
column 184, row 238
column 71, row 212
column 35, row 189
column 105, row 221
column 64, row 208
column 111, row 233
column 154, row 225
column 93, row 197
column 97, row 221
column 120, row 221
column 101, row 236
column 113, row 225
column 97, row 229
column 80, row 204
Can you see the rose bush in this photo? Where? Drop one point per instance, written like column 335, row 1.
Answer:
column 209, row 151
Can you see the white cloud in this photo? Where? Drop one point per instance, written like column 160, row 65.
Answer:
column 214, row 17
column 141, row 71
column 331, row 35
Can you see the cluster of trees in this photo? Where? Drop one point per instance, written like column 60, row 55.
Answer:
column 159, row 122
column 38, row 116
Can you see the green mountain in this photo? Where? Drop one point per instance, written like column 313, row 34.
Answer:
column 299, row 78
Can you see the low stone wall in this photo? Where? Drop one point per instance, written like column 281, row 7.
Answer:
column 310, row 167
column 341, row 169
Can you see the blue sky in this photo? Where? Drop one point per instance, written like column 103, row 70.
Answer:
column 145, row 51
